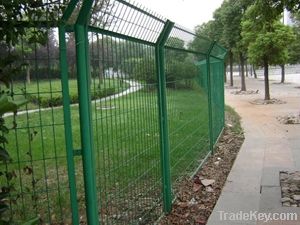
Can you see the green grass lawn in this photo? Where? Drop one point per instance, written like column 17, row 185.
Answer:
column 127, row 153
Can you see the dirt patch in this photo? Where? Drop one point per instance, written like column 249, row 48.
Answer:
column 264, row 80
column 197, row 197
column 290, row 188
column 289, row 119
column 250, row 92
column 279, row 83
column 267, row 102
column 298, row 87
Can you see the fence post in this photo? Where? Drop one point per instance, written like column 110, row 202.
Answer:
column 210, row 110
column 67, row 111
column 163, row 117
column 223, row 94
column 68, row 126
column 86, row 131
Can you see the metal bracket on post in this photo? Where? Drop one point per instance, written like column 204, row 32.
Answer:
column 86, row 131
column 211, row 134
column 163, row 118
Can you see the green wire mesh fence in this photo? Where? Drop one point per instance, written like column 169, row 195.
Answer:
column 128, row 106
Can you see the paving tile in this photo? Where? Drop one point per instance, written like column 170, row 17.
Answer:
column 270, row 176
column 234, row 203
column 269, row 147
column 270, row 198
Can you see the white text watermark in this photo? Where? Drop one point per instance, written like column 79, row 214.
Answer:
column 257, row 216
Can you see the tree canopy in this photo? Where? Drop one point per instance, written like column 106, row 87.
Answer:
column 266, row 38
column 252, row 30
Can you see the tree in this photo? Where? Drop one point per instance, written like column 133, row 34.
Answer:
column 16, row 16
column 143, row 69
column 206, row 34
column 294, row 47
column 174, row 60
column 230, row 35
column 213, row 30
column 231, row 16
column 266, row 38
column 25, row 49
column 226, row 29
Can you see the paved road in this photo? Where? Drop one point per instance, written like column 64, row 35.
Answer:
column 269, row 147
column 133, row 87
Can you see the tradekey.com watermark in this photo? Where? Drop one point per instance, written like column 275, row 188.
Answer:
column 257, row 216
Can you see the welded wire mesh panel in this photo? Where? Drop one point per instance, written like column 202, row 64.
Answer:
column 202, row 74
column 126, row 131
column 216, row 86
column 218, row 52
column 36, row 176
column 124, row 17
column 187, row 113
column 217, row 96
column 179, row 33
column 190, row 41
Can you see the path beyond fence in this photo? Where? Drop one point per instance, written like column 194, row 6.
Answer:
column 104, row 157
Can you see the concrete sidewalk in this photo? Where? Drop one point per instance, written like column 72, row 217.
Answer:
column 269, row 147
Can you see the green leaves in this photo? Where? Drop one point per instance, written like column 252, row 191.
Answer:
column 3, row 207
column 13, row 13
column 266, row 38
column 9, row 104
column 7, row 70
column 4, row 156
column 226, row 26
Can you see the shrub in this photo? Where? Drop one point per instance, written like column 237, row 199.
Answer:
column 46, row 102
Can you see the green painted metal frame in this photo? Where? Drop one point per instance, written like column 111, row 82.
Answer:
column 81, row 29
column 163, row 116
column 67, row 110
column 223, row 91
column 85, row 114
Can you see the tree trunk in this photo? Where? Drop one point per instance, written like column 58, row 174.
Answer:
column 246, row 68
column 243, row 82
column 231, row 67
column 254, row 72
column 266, row 75
column 72, row 71
column 28, row 80
column 282, row 73
column 251, row 71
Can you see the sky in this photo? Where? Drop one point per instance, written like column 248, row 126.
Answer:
column 188, row 13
